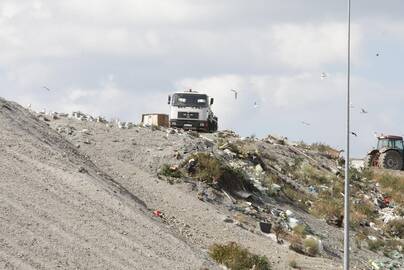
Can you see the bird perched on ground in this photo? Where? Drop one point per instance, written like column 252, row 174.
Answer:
column 46, row 88
column 305, row 123
column 355, row 134
column 323, row 76
column 363, row 111
column 235, row 93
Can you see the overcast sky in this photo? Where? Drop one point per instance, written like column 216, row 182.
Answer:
column 122, row 58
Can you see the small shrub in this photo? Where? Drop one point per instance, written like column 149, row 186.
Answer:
column 296, row 244
column 395, row 228
column 321, row 147
column 300, row 230
column 208, row 167
column 363, row 211
column 309, row 174
column 355, row 174
column 301, row 199
column 359, row 238
column 327, row 208
column 311, row 246
column 392, row 245
column 375, row 245
column 279, row 232
column 393, row 186
column 168, row 171
column 235, row 257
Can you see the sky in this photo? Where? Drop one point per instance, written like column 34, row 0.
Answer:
column 122, row 58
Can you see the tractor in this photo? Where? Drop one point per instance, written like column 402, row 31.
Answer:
column 389, row 153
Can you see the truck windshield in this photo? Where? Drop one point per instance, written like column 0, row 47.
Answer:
column 190, row 100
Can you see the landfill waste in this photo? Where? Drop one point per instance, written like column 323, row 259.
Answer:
column 289, row 189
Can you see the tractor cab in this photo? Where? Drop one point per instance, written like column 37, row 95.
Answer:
column 391, row 142
column 389, row 153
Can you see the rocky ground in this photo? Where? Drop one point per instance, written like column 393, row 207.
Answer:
column 79, row 192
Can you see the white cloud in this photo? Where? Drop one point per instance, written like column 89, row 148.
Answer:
column 310, row 46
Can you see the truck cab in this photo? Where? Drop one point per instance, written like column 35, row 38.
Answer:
column 191, row 110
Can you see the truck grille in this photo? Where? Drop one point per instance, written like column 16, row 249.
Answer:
column 188, row 115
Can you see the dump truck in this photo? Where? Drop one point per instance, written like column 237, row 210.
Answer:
column 191, row 110
column 389, row 153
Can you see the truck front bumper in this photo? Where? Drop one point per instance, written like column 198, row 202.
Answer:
column 190, row 124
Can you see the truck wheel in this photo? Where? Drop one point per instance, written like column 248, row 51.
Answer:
column 370, row 160
column 215, row 124
column 391, row 159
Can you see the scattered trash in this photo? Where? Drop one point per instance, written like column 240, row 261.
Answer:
column 265, row 227
column 158, row 213
column 191, row 166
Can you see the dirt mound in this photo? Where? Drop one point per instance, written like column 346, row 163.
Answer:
column 60, row 210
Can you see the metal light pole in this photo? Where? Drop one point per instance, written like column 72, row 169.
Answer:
column 348, row 135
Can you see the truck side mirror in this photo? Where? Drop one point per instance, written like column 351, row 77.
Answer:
column 169, row 100
column 211, row 101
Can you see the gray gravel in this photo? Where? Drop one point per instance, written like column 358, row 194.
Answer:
column 61, row 210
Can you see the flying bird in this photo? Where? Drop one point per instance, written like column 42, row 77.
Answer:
column 355, row 134
column 46, row 88
column 323, row 76
column 256, row 104
column 305, row 123
column 235, row 93
column 363, row 111
column 377, row 54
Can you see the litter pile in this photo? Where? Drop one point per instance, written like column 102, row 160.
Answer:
column 303, row 179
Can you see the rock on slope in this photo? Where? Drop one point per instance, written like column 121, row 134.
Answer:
column 59, row 210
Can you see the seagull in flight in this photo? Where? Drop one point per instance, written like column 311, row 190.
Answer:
column 323, row 76
column 235, row 93
column 256, row 104
column 305, row 123
column 355, row 134
column 46, row 88
column 363, row 111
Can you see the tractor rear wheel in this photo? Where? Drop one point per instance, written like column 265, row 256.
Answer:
column 391, row 159
column 370, row 160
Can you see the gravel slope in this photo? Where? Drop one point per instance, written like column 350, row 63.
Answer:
column 59, row 210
